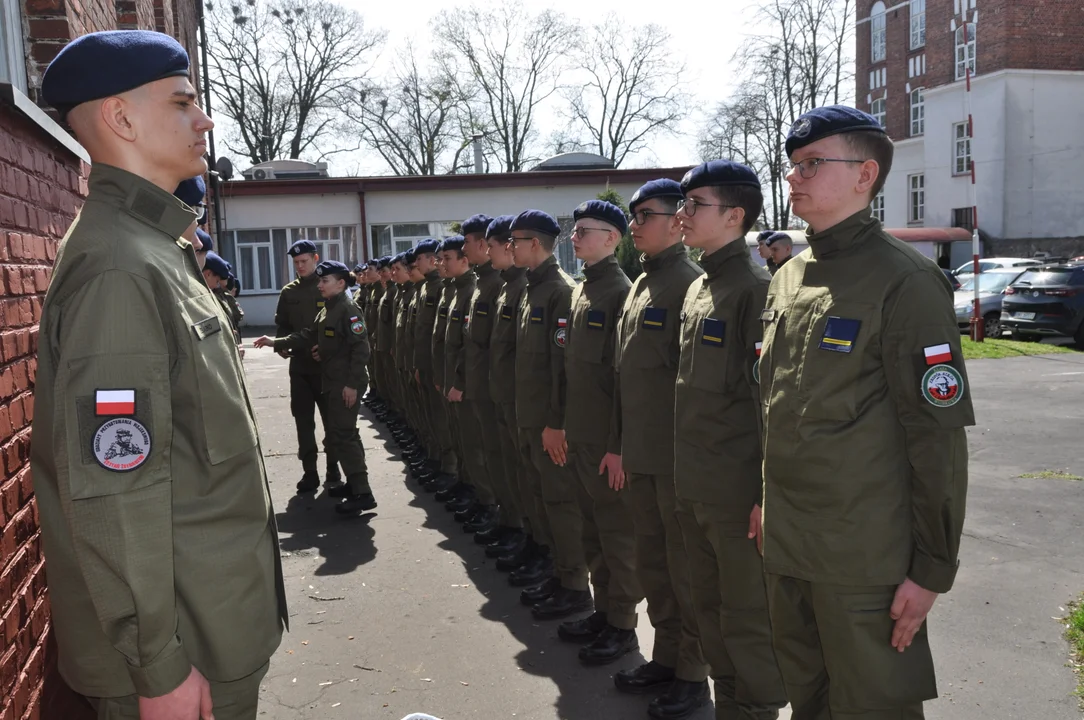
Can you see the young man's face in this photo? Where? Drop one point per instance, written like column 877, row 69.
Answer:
column 657, row 231
column 833, row 186
column 330, row 286
column 454, row 264
column 400, row 274
column 475, row 248
column 426, row 263
column 416, row 275
column 500, row 252
column 168, row 126
column 763, row 249
column 778, row 251
column 593, row 240
column 385, row 274
column 371, row 275
column 707, row 223
column 213, row 281
column 305, row 264
column 523, row 248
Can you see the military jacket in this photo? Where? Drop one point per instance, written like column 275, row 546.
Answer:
column 402, row 322
column 156, row 516
column 717, row 404
column 411, row 325
column 540, row 347
column 589, row 355
column 481, row 317
column 221, row 297
column 372, row 316
column 385, row 336
column 299, row 303
column 647, row 361
column 866, row 400
column 343, row 342
column 502, row 344
column 428, row 304
column 440, row 336
column 455, row 352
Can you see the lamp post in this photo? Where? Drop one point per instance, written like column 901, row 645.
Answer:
column 978, row 326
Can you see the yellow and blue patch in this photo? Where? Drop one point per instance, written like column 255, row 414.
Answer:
column 431, row 301
column 538, row 314
column 506, row 312
column 596, row 319
column 329, row 332
column 443, row 312
column 457, row 316
column 481, row 309
column 654, row 318
column 713, row 332
column 840, row 334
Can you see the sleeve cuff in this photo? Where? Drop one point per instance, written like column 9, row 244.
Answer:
column 555, row 421
column 931, row 574
column 164, row 674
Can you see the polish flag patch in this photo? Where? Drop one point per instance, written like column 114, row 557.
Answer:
column 114, row 402
column 936, row 354
column 562, row 322
column 758, row 348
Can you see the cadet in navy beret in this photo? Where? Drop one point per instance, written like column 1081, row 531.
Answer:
column 536, row 221
column 716, row 173
column 335, row 268
column 500, row 226
column 217, row 268
column 476, row 224
column 827, row 121
column 360, row 267
column 302, row 247
column 428, row 245
column 605, row 211
column 207, row 244
column 191, row 191
column 715, row 192
column 661, row 188
column 454, row 243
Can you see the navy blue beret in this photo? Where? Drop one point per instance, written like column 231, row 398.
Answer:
column 103, row 64
column 823, row 122
column 605, row 211
column 536, row 220
column 217, row 265
column 455, row 242
column 426, row 246
column 208, row 244
column 719, row 172
column 500, row 226
column 764, row 235
column 778, row 236
column 360, row 267
column 476, row 224
column 398, row 258
column 410, row 256
column 384, row 262
column 331, row 267
column 301, row 247
column 661, row 188
column 191, row 191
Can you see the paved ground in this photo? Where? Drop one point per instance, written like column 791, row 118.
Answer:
column 400, row 612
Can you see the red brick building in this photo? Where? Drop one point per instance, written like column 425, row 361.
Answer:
column 1027, row 64
column 43, row 179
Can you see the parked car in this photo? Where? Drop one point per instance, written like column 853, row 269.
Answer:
column 1048, row 300
column 992, row 285
column 993, row 263
column 953, row 280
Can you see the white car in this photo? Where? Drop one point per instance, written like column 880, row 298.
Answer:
column 995, row 264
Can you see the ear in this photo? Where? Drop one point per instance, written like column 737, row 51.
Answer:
column 115, row 113
column 868, row 172
column 736, row 217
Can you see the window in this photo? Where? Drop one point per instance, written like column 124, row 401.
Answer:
column 255, row 253
column 400, row 237
column 260, row 260
column 918, row 24
column 328, row 241
column 12, row 62
column 961, row 152
column 917, row 206
column 877, row 110
column 918, row 112
column 963, row 218
column 878, row 206
column 877, row 31
column 965, row 50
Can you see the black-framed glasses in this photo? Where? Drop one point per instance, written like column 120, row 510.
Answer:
column 640, row 217
column 580, row 232
column 808, row 168
column 512, row 240
column 689, row 205
column 201, row 211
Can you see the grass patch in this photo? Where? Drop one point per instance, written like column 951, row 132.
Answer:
column 993, row 349
column 1052, row 475
column 1074, row 633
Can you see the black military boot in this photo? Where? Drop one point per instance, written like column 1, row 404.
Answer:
column 493, row 535
column 342, row 490
column 332, row 478
column 534, row 571
column 464, row 508
column 562, row 603
column 449, row 490
column 512, row 543
column 543, row 591
column 680, row 701
column 584, row 630
column 356, row 504
column 310, row 480
column 647, row 678
column 483, row 520
column 441, row 482
column 610, row 645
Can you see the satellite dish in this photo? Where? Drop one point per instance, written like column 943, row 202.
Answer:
column 224, row 168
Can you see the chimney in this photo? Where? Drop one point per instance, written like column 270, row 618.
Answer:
column 477, row 140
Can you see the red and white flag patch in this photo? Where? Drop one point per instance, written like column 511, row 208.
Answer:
column 562, row 322
column 114, row 402
column 936, row 354
column 758, row 349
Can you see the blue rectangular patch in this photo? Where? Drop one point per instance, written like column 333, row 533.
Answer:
column 457, row 316
column 431, row 301
column 713, row 333
column 443, row 311
column 506, row 312
column 840, row 334
column 596, row 319
column 481, row 309
column 654, row 318
column 538, row 313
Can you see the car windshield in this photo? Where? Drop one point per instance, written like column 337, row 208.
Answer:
column 988, row 282
column 1046, row 277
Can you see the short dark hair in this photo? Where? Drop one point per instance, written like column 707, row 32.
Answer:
column 876, row 146
column 548, row 242
column 747, row 197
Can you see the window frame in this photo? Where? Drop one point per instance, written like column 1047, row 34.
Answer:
column 278, row 239
column 918, row 34
column 436, row 229
column 12, row 57
column 969, row 47
column 921, row 107
column 881, row 116
column 254, row 247
column 916, row 211
column 878, row 32
column 957, row 142
column 877, row 206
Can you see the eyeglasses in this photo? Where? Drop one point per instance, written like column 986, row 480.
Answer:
column 201, row 211
column 808, row 168
column 580, row 232
column 640, row 217
column 512, row 240
column 689, row 205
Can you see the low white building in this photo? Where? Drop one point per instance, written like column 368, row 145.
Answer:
column 356, row 219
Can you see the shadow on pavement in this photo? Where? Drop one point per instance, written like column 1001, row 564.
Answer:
column 310, row 520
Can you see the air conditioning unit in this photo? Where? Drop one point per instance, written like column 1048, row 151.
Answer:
column 263, row 174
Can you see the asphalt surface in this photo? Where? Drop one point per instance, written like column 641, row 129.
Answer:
column 400, row 612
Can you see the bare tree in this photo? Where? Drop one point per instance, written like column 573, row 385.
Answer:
column 630, row 91
column 514, row 59
column 277, row 68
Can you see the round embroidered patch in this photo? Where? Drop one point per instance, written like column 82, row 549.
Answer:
column 560, row 337
column 943, row 386
column 756, row 371
column 357, row 327
column 121, row 444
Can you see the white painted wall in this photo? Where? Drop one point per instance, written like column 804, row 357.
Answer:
column 908, row 159
column 281, row 211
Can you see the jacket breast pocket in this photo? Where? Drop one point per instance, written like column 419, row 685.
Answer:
column 590, row 345
column 707, row 340
column 220, row 392
column 840, row 336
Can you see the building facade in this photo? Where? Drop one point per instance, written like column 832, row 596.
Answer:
column 1027, row 94
column 43, row 180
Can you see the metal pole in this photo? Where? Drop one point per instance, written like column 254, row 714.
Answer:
column 213, row 175
column 978, row 327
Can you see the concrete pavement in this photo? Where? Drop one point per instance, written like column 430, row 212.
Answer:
column 400, row 612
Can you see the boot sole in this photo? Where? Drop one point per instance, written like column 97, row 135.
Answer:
column 590, row 661
column 563, row 614
column 643, row 689
column 691, row 711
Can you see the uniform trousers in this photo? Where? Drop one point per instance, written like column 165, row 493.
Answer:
column 235, row 700
column 531, row 491
column 663, row 570
column 443, row 430
column 833, row 647
column 506, row 436
column 427, row 397
column 306, row 397
column 609, row 538
column 344, row 440
column 472, row 451
column 731, row 605
column 561, row 497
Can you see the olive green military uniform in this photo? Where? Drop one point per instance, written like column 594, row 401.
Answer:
column 424, row 328
column 515, row 456
column 400, row 355
column 647, row 363
column 385, row 346
column 224, row 300
column 343, row 344
column 299, row 303
column 372, row 323
column 411, row 389
column 540, row 403
column 155, row 510
column 237, row 313
column 443, row 418
column 609, row 539
column 468, row 431
column 865, row 465
column 718, row 480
